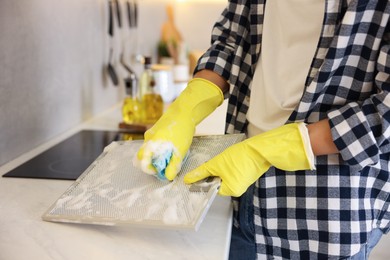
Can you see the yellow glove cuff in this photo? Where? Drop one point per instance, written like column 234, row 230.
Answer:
column 204, row 82
column 198, row 100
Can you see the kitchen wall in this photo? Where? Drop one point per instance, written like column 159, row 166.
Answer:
column 53, row 56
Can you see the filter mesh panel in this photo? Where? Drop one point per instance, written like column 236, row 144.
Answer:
column 112, row 191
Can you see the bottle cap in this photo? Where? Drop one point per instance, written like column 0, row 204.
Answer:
column 130, row 85
column 147, row 60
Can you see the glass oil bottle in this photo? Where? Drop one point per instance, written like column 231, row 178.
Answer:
column 151, row 101
column 131, row 109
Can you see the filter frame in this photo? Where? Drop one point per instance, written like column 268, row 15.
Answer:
column 111, row 191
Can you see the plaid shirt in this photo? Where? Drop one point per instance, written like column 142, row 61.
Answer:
column 330, row 212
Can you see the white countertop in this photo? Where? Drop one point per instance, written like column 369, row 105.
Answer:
column 23, row 235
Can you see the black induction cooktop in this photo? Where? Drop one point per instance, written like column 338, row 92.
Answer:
column 70, row 158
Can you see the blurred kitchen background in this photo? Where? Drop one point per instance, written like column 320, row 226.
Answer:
column 53, row 58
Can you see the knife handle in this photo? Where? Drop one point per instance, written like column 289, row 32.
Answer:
column 118, row 13
column 135, row 14
column 129, row 14
column 110, row 20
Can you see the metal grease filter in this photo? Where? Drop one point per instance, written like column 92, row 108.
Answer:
column 112, row 191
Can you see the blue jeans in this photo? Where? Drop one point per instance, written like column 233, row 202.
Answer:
column 374, row 238
column 243, row 244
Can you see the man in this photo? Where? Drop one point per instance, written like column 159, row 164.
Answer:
column 308, row 82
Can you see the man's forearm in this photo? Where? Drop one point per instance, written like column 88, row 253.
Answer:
column 213, row 77
column 321, row 138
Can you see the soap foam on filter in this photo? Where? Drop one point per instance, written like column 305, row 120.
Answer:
column 156, row 154
column 113, row 191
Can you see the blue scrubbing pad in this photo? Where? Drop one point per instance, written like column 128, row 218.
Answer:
column 160, row 162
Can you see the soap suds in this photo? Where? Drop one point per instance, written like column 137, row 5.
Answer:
column 157, row 151
column 115, row 191
column 153, row 201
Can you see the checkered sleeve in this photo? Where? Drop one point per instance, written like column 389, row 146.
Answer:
column 227, row 35
column 361, row 130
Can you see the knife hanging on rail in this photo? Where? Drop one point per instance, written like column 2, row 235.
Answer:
column 110, row 20
column 129, row 14
column 110, row 67
column 118, row 13
column 135, row 13
column 130, row 21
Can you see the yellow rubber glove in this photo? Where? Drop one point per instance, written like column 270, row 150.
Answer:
column 287, row 148
column 167, row 142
